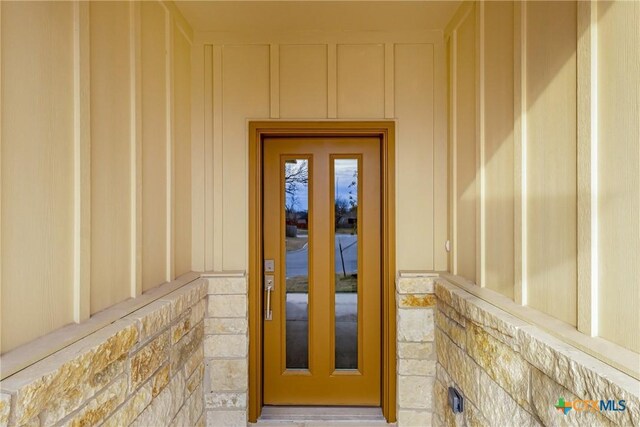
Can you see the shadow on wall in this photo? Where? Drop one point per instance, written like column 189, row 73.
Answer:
column 551, row 197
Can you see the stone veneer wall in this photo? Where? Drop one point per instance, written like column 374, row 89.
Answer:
column 226, row 351
column 416, row 357
column 145, row 369
column 512, row 373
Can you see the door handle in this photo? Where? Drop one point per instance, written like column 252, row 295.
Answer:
column 268, row 286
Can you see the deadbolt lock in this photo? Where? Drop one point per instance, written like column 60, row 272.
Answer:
column 269, row 266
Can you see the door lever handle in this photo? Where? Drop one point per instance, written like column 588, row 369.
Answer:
column 268, row 285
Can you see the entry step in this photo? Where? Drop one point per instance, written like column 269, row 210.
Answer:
column 308, row 416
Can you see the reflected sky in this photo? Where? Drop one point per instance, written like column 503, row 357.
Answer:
column 344, row 170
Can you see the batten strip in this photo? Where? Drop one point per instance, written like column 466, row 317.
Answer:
column 454, row 149
column 170, row 179
column 217, row 189
column 198, row 159
column 0, row 165
column 440, row 177
column 480, row 148
column 389, row 76
column 332, row 81
column 211, row 124
column 274, row 75
column 587, row 168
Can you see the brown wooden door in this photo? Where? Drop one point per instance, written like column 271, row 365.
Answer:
column 322, row 228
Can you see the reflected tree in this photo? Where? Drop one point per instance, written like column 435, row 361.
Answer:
column 296, row 173
column 342, row 209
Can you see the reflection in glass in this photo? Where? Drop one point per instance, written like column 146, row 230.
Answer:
column 296, row 206
column 346, row 262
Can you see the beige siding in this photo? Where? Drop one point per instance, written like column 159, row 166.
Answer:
column 414, row 97
column 465, row 150
column 619, row 172
column 182, row 150
column 74, row 97
column 487, row 146
column 303, row 81
column 110, row 154
column 154, row 143
column 37, row 169
column 245, row 94
column 360, row 81
column 557, row 141
column 551, row 159
column 498, row 147
column 504, row 179
column 338, row 76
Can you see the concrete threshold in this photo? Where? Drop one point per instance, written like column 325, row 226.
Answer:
column 308, row 416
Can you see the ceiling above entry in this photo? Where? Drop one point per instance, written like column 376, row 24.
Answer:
column 306, row 16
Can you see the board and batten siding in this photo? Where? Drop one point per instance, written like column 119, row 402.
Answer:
column 463, row 150
column 240, row 77
column 544, row 141
column 95, row 159
column 617, row 138
column 37, row 228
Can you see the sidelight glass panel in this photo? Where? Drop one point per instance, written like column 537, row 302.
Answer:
column 296, row 210
column 345, row 190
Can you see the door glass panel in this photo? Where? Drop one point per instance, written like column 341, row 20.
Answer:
column 345, row 189
column 296, row 208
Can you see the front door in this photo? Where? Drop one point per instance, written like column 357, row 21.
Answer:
column 322, row 275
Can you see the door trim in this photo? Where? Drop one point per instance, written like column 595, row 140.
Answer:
column 385, row 130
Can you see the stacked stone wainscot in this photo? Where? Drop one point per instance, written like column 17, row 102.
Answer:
column 144, row 369
column 226, row 350
column 512, row 373
column 416, row 359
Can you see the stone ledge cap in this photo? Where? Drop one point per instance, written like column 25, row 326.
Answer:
column 415, row 282
column 231, row 273
column 51, row 364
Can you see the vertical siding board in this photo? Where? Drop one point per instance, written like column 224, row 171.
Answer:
column 498, row 151
column 214, row 142
column 111, row 126
column 245, row 87
column 181, row 66
column 466, row 164
column 154, row 145
column 37, row 169
column 82, row 163
column 519, row 152
column 618, row 172
column 199, row 162
column 440, row 167
column 587, row 172
column 551, row 159
column 414, row 108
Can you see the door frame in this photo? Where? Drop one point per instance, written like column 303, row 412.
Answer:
column 385, row 130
